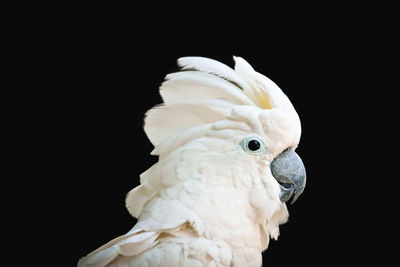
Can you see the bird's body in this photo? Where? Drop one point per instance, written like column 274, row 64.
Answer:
column 212, row 198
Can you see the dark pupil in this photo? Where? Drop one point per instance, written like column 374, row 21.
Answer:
column 253, row 145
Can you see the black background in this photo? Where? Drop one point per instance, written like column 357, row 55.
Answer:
column 103, row 74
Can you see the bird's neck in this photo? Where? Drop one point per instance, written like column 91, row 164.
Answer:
column 237, row 230
column 226, row 215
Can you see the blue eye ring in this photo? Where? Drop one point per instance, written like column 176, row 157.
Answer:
column 253, row 144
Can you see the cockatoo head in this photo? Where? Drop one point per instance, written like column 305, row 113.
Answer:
column 231, row 131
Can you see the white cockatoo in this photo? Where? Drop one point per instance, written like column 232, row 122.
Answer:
column 225, row 139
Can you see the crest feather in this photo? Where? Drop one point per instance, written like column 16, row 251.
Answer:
column 212, row 66
column 206, row 91
column 190, row 86
column 168, row 120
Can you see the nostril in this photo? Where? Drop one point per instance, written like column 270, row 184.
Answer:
column 286, row 185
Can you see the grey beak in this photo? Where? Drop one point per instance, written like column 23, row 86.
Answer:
column 288, row 169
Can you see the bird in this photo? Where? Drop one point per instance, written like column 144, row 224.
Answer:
column 227, row 167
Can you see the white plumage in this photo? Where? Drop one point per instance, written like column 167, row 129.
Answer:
column 207, row 201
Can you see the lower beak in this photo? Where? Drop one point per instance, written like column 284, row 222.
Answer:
column 288, row 169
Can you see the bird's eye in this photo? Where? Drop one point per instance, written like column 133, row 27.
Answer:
column 253, row 144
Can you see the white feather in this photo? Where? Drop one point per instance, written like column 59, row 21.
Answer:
column 279, row 99
column 189, row 86
column 262, row 87
column 102, row 258
column 213, row 67
column 136, row 244
column 128, row 245
column 162, row 121
column 242, row 67
column 138, row 197
column 181, row 138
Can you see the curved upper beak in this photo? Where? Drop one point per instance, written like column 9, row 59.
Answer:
column 288, row 169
